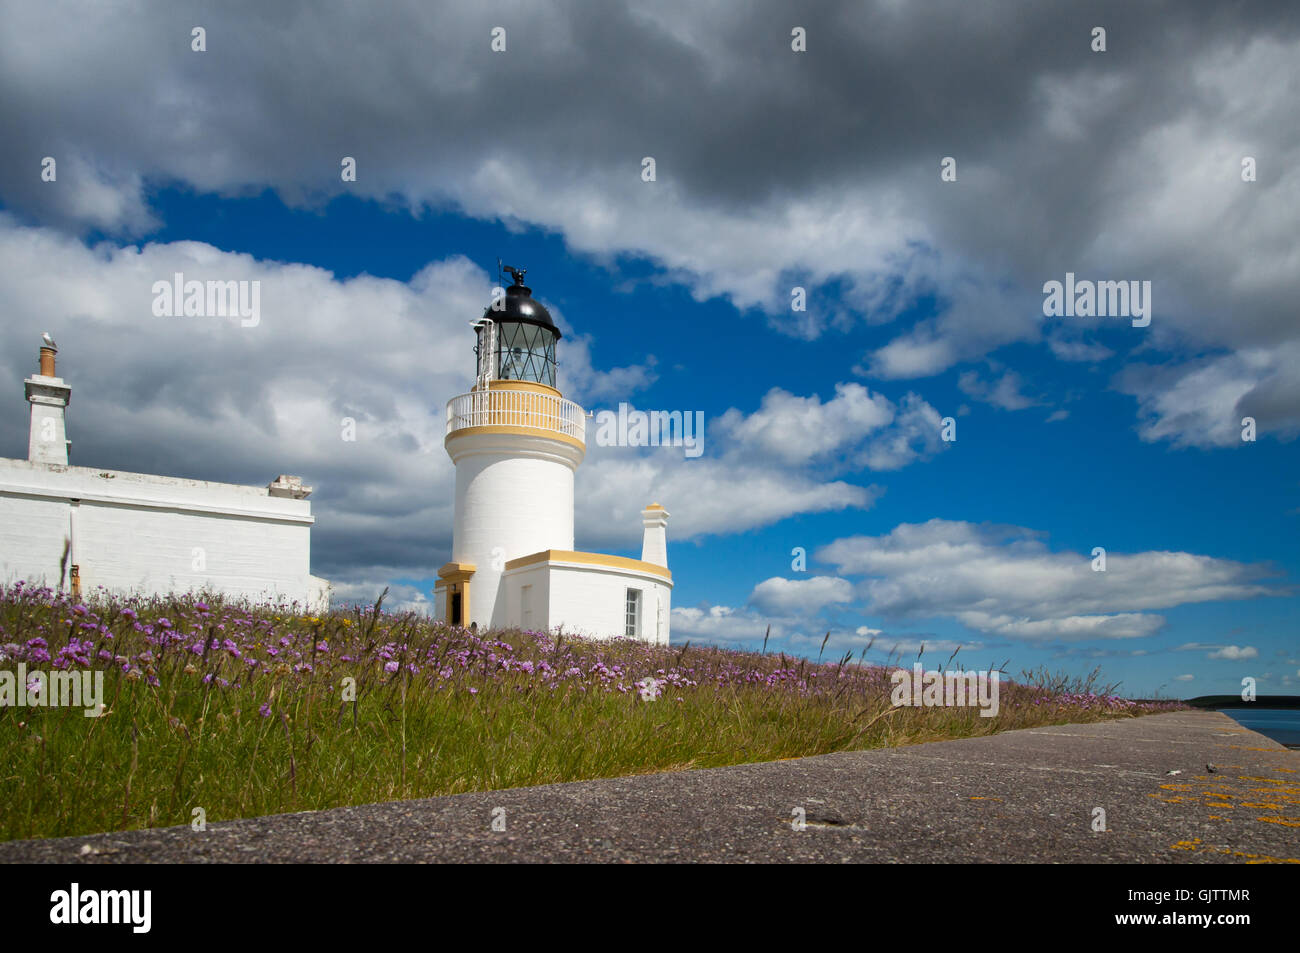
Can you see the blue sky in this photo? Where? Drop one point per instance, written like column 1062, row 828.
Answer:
column 924, row 301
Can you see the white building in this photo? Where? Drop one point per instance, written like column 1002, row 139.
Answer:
column 79, row 528
column 516, row 444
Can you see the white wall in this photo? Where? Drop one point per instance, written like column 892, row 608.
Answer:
column 537, row 577
column 589, row 600
column 514, row 497
column 138, row 533
column 592, row 601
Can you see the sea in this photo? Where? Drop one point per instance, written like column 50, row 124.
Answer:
column 1280, row 724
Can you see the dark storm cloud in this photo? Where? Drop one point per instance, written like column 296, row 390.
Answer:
column 1042, row 127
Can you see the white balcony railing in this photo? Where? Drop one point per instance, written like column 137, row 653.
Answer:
column 516, row 408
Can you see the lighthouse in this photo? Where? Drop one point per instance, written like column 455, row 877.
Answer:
column 516, row 443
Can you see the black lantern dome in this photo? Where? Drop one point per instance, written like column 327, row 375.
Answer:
column 522, row 336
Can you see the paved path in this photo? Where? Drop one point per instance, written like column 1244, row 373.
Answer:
column 1019, row 796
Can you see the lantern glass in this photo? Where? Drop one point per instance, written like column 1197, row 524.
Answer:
column 525, row 352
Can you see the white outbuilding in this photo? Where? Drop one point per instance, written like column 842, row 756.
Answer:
column 516, row 443
column 80, row 528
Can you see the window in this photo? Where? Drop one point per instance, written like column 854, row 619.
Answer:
column 525, row 352
column 633, row 628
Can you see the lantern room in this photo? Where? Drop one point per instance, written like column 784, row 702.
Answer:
column 516, row 337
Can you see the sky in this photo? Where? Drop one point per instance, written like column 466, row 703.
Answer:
column 842, row 260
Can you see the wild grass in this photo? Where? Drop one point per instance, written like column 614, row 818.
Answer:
column 242, row 711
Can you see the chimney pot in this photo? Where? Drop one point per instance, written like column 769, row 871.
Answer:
column 288, row 486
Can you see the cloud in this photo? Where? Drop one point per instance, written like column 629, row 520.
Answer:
column 913, row 436
column 400, row 598
column 1093, row 652
column 796, row 628
column 1184, row 678
column 798, row 429
column 708, row 495
column 1004, row 581
column 780, row 596
column 756, row 469
column 867, row 431
column 1122, row 625
column 1202, row 403
column 1234, row 652
column 928, row 647
column 586, row 384
column 1069, row 161
column 725, row 624
column 1004, row 393
column 1226, row 652
column 1067, row 349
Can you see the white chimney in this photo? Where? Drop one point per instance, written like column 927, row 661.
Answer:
column 48, row 438
column 654, row 545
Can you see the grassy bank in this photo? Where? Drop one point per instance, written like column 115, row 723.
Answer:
column 245, row 711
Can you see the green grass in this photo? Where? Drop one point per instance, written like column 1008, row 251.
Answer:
column 171, row 742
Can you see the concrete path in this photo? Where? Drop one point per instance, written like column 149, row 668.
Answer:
column 1021, row 796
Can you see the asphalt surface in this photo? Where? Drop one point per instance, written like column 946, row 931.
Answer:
column 1021, row 796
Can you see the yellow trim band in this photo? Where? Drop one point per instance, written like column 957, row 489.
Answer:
column 457, row 572
column 518, row 431
column 593, row 559
column 523, row 385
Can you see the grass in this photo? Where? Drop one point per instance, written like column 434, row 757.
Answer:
column 242, row 711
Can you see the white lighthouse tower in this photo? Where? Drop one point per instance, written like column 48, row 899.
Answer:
column 517, row 443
